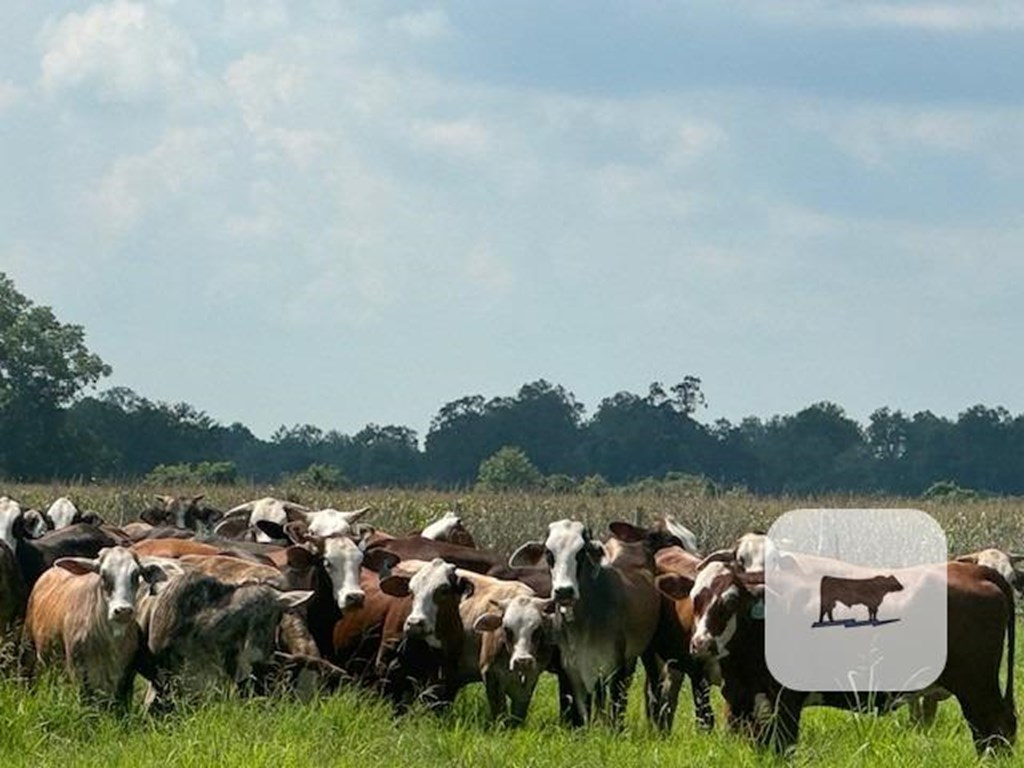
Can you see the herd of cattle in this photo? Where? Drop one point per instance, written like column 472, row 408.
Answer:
column 272, row 594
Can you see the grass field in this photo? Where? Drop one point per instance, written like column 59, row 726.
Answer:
column 47, row 726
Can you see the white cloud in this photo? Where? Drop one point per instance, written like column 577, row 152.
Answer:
column 10, row 94
column 464, row 137
column 486, row 270
column 125, row 51
column 428, row 25
column 973, row 16
column 182, row 162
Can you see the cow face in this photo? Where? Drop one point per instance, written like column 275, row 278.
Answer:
column 342, row 559
column 441, row 529
column 62, row 513
column 524, row 624
column 431, row 587
column 571, row 555
column 16, row 523
column 120, row 574
column 333, row 522
column 181, row 512
column 718, row 599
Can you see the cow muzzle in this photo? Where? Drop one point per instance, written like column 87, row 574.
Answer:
column 122, row 613
column 703, row 647
column 522, row 664
column 564, row 595
column 415, row 626
column 353, row 599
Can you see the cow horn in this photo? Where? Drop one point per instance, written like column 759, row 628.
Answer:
column 967, row 559
column 241, row 509
column 718, row 556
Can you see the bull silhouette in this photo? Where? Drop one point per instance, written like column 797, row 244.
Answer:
column 850, row 592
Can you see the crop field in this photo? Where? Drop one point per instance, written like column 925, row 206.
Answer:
column 46, row 725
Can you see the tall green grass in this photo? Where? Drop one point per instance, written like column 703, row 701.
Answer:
column 46, row 725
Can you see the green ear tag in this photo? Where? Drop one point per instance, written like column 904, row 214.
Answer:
column 757, row 610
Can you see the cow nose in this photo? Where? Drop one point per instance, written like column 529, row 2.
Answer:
column 123, row 612
column 414, row 626
column 354, row 599
column 565, row 594
column 703, row 646
column 523, row 663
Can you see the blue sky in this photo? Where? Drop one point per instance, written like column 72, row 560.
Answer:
column 343, row 213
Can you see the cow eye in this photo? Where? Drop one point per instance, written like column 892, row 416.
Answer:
column 549, row 556
column 509, row 636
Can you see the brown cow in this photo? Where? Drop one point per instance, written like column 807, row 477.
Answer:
column 730, row 634
column 84, row 610
column 850, row 592
column 607, row 613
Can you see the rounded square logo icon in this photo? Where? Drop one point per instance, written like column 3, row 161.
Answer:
column 855, row 600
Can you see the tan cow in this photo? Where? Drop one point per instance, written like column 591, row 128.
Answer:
column 84, row 611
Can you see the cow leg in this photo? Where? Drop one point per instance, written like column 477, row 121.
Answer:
column 993, row 724
column 784, row 727
column 571, row 705
column 495, row 696
column 701, row 689
column 619, row 693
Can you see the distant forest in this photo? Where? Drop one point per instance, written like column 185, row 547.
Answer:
column 540, row 436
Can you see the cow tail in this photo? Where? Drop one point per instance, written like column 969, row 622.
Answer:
column 1011, row 630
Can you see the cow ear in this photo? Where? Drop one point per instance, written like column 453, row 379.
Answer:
column 78, row 565
column 595, row 551
column 299, row 557
column 232, row 527
column 529, row 555
column 627, row 532
column 464, row 586
column 293, row 598
column 488, row 622
column 153, row 516
column 395, row 586
column 363, row 532
column 718, row 556
column 92, row 519
column 674, row 585
column 296, row 531
column 34, row 523
column 272, row 529
column 380, row 560
column 154, row 574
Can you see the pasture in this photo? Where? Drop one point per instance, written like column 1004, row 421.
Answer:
column 47, row 725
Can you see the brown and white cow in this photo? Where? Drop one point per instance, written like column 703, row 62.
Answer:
column 730, row 634
column 243, row 521
column 449, row 528
column 998, row 560
column 84, row 611
column 607, row 612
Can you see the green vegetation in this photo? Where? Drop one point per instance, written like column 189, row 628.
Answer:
column 510, row 469
column 47, row 726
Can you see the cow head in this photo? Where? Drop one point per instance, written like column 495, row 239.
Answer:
column 120, row 572
column 571, row 555
column 891, row 583
column 181, row 512
column 342, row 559
column 525, row 624
column 63, row 513
column 449, row 528
column 16, row 523
column 721, row 601
column 434, row 586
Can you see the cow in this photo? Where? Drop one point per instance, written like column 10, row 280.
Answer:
column 63, row 512
column 13, row 595
column 83, row 610
column 516, row 644
column 449, row 528
column 850, row 592
column 79, row 540
column 182, row 512
column 606, row 615
column 17, row 524
column 748, row 554
column 730, row 636
column 1000, row 561
column 244, row 520
column 667, row 658
column 202, row 633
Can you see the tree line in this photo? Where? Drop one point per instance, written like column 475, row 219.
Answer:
column 51, row 429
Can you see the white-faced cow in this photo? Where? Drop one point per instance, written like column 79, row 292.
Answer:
column 607, row 613
column 244, row 521
column 84, row 611
column 63, row 512
column 730, row 633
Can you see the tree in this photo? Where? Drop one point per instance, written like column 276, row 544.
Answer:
column 44, row 365
column 510, row 469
